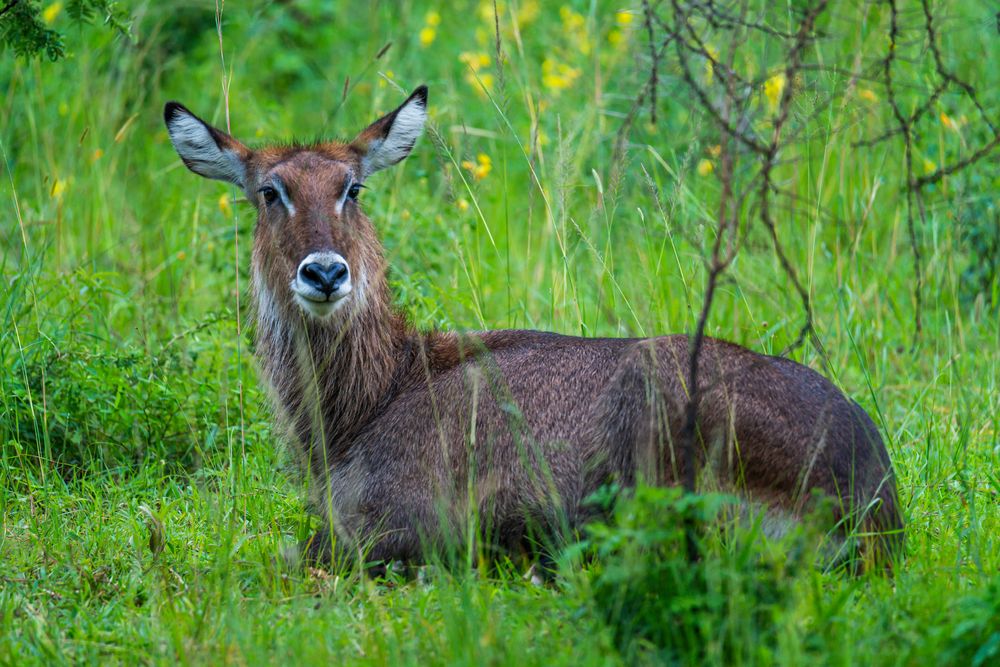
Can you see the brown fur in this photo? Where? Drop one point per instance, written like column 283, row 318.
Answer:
column 404, row 434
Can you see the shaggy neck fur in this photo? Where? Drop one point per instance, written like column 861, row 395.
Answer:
column 329, row 377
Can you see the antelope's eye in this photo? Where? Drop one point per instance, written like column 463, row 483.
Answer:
column 354, row 190
column 269, row 194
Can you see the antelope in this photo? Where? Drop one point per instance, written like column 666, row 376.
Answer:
column 404, row 434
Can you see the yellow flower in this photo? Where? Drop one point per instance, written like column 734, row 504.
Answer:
column 558, row 76
column 476, row 62
column 948, row 122
column 485, row 10
column 225, row 206
column 462, row 205
column 929, row 166
column 773, row 88
column 485, row 165
column 867, row 95
column 96, row 155
column 51, row 12
column 433, row 19
column 181, row 255
column 479, row 169
column 427, row 36
column 705, row 167
column 58, row 188
column 539, row 137
column 479, row 82
column 575, row 29
column 619, row 35
column 571, row 20
column 554, row 82
column 388, row 74
column 527, row 12
column 405, row 214
column 715, row 151
column 710, row 63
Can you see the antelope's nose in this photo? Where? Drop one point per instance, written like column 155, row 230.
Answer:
column 325, row 278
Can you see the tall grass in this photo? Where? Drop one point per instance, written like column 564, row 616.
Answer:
column 122, row 365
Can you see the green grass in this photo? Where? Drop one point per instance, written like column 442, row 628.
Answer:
column 126, row 382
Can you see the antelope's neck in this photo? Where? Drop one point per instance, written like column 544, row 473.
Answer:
column 328, row 381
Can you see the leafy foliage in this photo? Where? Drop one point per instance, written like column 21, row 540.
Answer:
column 116, row 409
column 73, row 405
column 976, row 638
column 24, row 30
column 723, row 604
column 980, row 226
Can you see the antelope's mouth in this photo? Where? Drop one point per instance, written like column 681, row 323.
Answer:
column 317, row 303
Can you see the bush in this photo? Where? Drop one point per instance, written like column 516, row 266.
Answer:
column 72, row 396
column 113, row 408
column 23, row 25
column 976, row 639
column 723, row 605
column 979, row 225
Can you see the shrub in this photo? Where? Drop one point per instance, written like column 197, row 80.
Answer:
column 23, row 24
column 115, row 407
column 979, row 225
column 74, row 395
column 723, row 604
column 976, row 639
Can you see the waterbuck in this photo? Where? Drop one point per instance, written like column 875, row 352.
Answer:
column 416, row 440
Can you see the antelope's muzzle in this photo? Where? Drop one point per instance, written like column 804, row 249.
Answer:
column 322, row 281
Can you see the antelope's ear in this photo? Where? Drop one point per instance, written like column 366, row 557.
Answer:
column 390, row 139
column 205, row 150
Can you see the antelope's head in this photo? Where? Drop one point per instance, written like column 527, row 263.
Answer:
column 314, row 248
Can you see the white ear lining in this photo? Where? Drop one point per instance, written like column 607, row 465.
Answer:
column 197, row 147
column 406, row 128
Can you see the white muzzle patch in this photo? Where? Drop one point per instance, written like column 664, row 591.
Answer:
column 318, row 286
